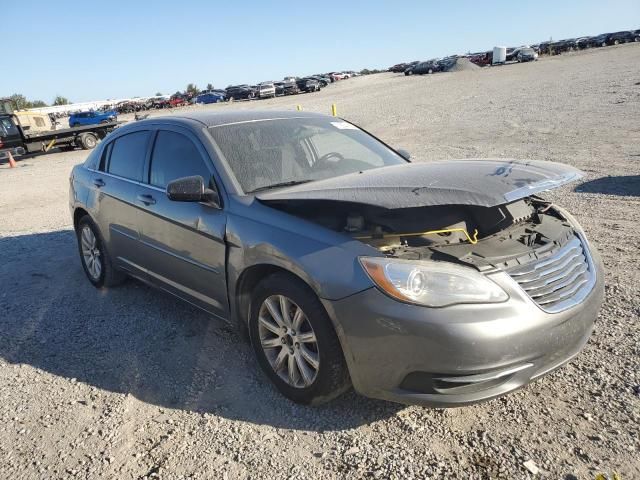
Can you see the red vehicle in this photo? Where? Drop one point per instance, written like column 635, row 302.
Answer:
column 178, row 100
column 481, row 59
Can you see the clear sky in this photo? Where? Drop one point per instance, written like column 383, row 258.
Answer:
column 94, row 49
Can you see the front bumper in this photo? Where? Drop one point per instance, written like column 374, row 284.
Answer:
column 462, row 354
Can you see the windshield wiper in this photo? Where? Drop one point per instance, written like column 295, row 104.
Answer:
column 278, row 185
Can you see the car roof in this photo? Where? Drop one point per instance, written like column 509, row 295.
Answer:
column 216, row 119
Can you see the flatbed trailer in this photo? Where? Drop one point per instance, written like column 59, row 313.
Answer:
column 15, row 139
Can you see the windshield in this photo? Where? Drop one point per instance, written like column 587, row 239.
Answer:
column 295, row 150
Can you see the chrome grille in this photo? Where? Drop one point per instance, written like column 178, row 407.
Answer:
column 559, row 280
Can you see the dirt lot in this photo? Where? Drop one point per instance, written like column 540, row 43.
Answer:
column 131, row 383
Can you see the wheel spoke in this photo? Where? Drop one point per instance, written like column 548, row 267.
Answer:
column 294, row 374
column 273, row 310
column 311, row 357
column 269, row 325
column 307, row 337
column 279, row 361
column 307, row 374
column 84, row 238
column 271, row 342
column 298, row 318
column 284, row 310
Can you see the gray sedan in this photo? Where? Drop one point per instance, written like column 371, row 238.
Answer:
column 442, row 283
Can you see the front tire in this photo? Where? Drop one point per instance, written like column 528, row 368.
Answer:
column 95, row 258
column 294, row 341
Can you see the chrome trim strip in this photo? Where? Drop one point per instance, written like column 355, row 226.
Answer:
column 180, row 257
column 484, row 377
column 559, row 284
column 128, row 180
column 123, row 233
column 549, row 267
column 582, row 290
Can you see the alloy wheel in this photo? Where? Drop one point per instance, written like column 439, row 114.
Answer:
column 91, row 253
column 288, row 341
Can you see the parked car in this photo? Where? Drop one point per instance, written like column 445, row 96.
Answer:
column 481, row 59
column 582, row 43
column 210, row 97
column 308, row 85
column 512, row 53
column 92, row 117
column 160, row 102
column 266, row 90
column 447, row 63
column 240, row 92
column 398, row 67
column 623, row 37
column 601, row 40
column 323, row 81
column 543, row 48
column 562, row 46
column 527, row 55
column 178, row 100
column 437, row 283
column 423, row 68
column 286, row 88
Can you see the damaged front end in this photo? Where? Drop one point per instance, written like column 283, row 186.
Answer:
column 533, row 241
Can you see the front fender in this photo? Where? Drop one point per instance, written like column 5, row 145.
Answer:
column 327, row 261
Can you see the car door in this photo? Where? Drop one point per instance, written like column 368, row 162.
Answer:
column 183, row 242
column 114, row 196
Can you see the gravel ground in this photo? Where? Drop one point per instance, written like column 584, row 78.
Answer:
column 131, row 383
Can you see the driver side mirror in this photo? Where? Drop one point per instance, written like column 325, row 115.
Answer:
column 403, row 153
column 192, row 189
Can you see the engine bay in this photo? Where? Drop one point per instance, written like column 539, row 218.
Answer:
column 486, row 237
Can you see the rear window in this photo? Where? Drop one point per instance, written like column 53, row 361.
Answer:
column 128, row 155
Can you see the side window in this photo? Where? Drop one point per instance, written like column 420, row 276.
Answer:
column 175, row 156
column 128, row 155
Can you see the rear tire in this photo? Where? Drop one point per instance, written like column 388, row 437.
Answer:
column 92, row 249
column 88, row 141
column 322, row 373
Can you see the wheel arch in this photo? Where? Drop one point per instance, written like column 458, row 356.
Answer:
column 78, row 213
column 248, row 279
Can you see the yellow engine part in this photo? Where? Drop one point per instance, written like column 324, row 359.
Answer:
column 472, row 239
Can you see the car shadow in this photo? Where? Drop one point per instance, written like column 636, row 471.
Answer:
column 140, row 341
column 624, row 185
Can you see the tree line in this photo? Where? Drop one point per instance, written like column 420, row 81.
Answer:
column 20, row 102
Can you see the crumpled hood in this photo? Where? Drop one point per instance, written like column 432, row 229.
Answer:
column 485, row 182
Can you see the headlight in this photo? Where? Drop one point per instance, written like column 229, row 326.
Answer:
column 433, row 284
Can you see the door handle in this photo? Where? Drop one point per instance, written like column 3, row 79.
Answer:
column 146, row 199
column 98, row 182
